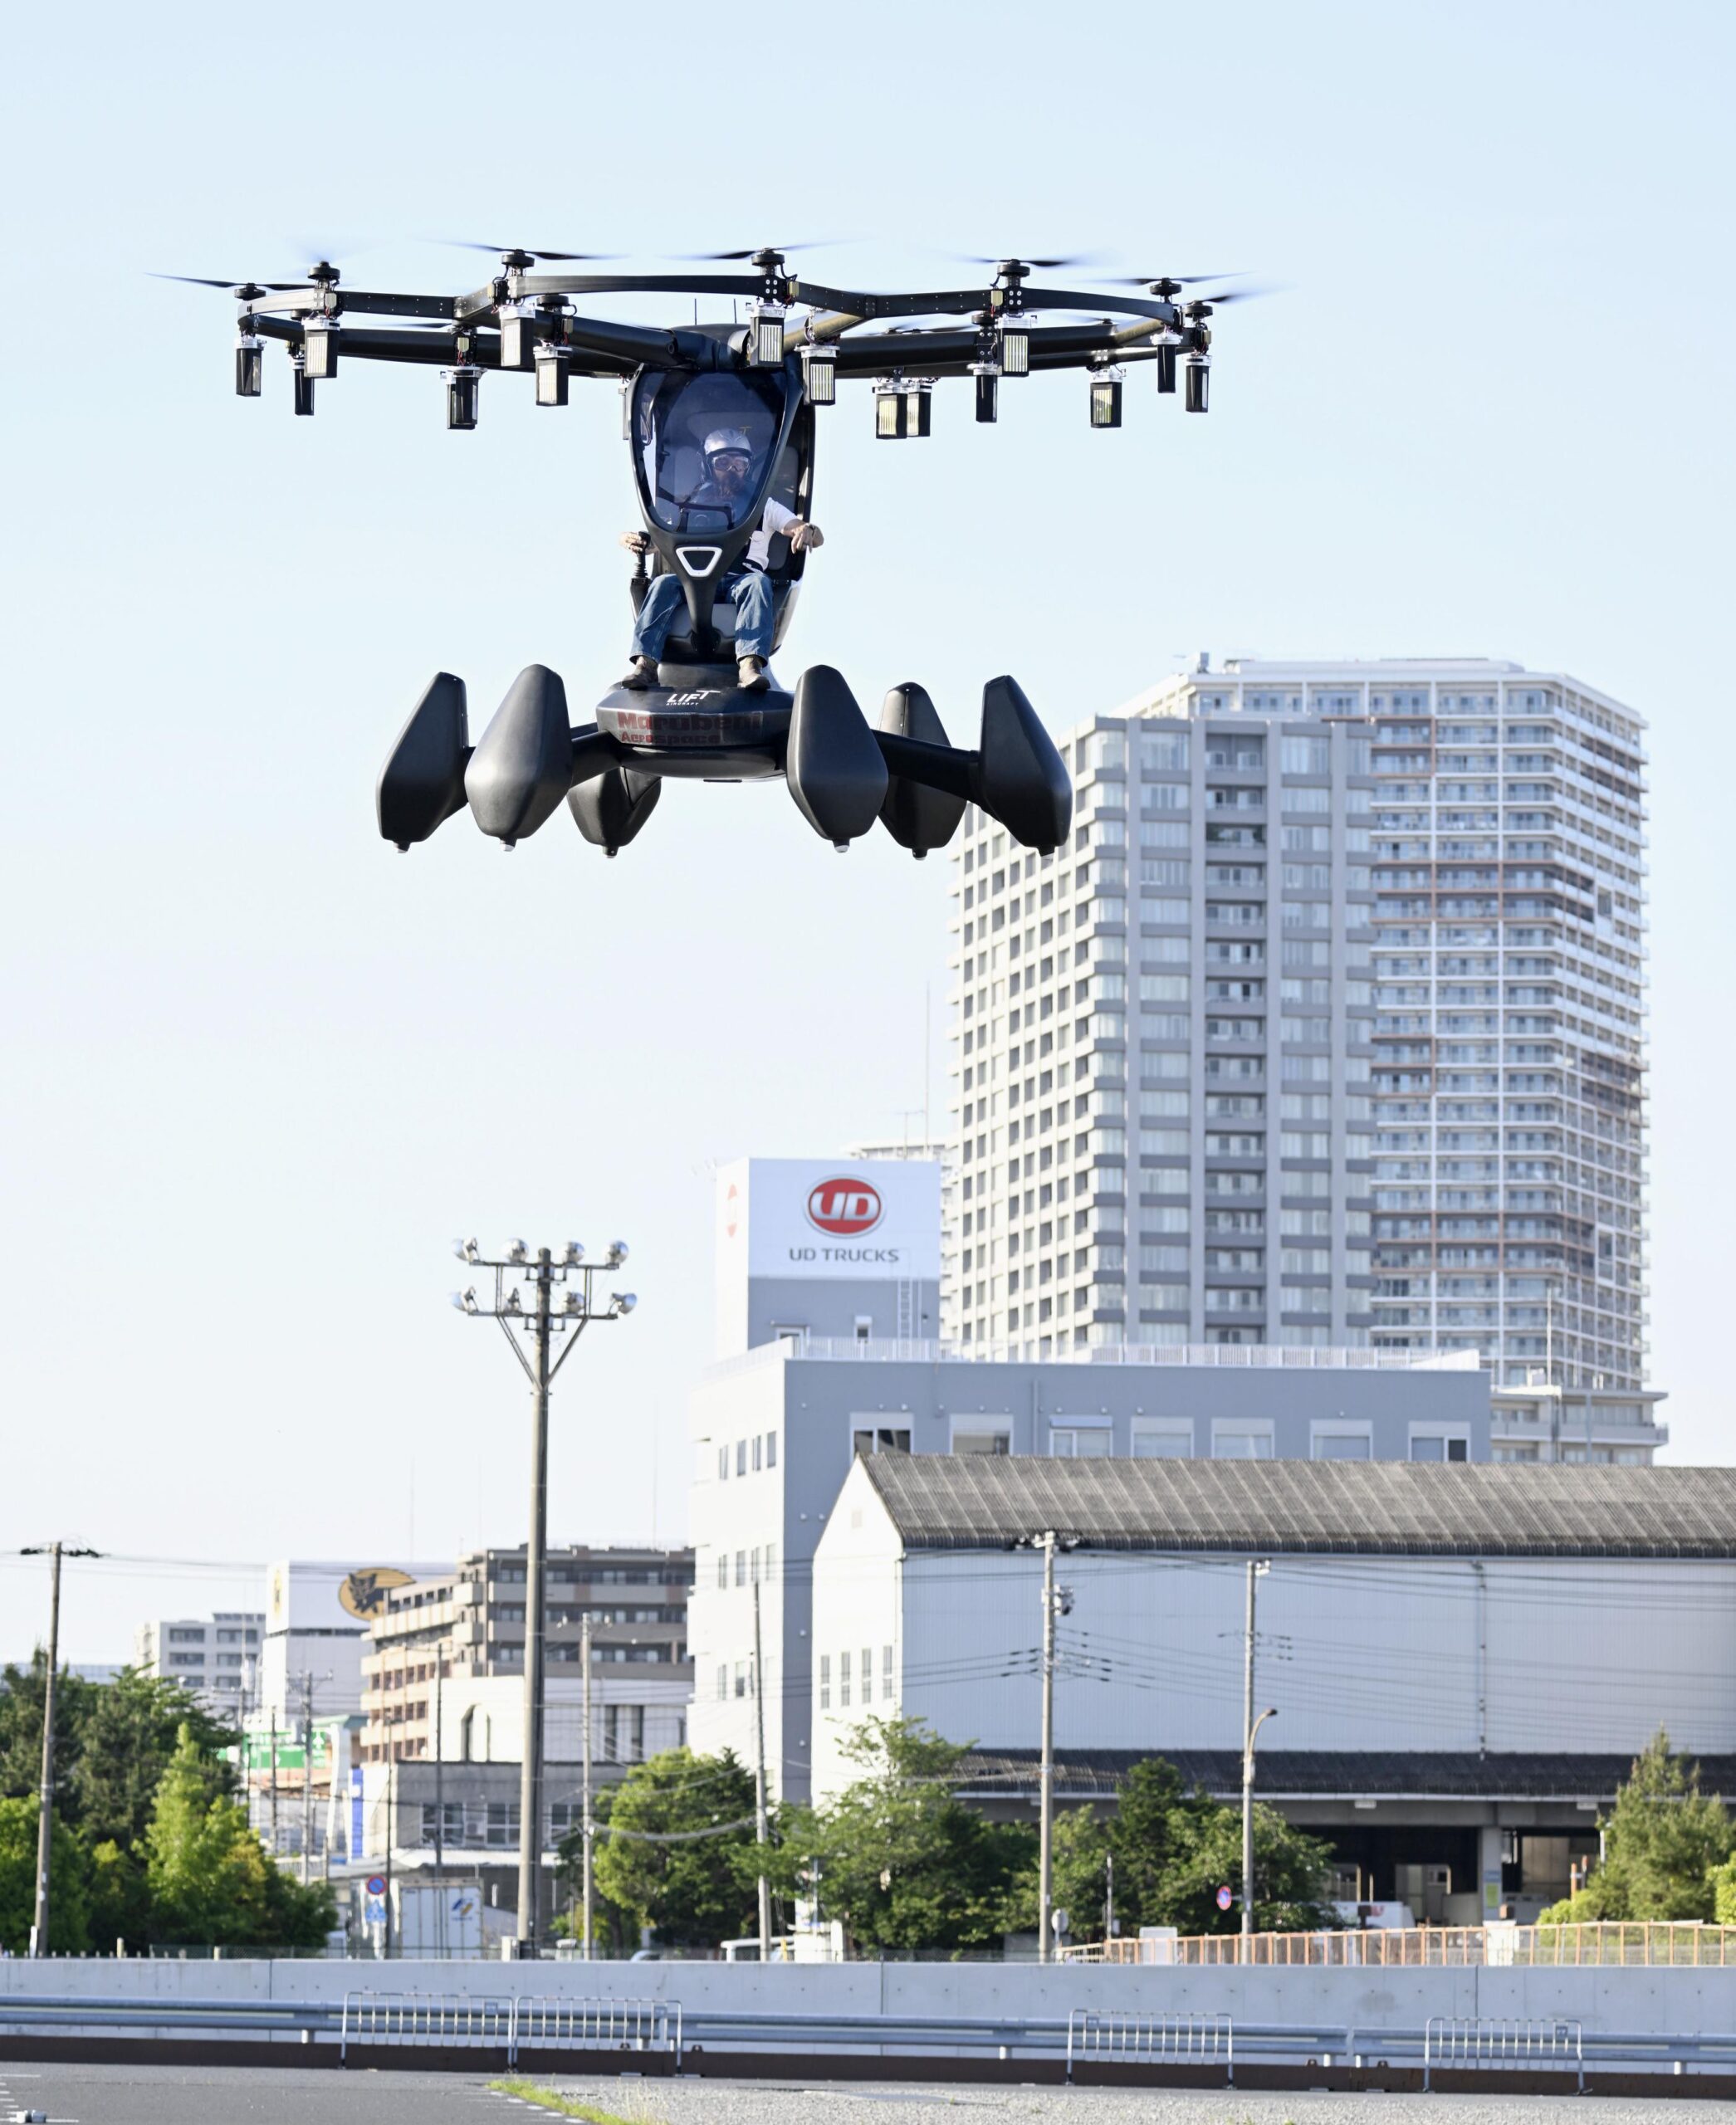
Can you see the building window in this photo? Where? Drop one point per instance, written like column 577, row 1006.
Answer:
column 1340, row 1443
column 723, row 1683
column 741, row 1567
column 1241, row 1442
column 723, row 1570
column 867, row 1674
column 741, row 1678
column 723, row 1464
column 882, row 1439
column 759, row 1449
column 844, row 1681
column 982, row 1435
column 771, row 1449
column 825, row 1682
column 1439, row 1446
column 1163, row 1438
column 886, row 1674
column 1081, row 1442
column 740, row 1457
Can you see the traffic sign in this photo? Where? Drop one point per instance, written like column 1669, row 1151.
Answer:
column 376, row 1885
column 1225, row 1898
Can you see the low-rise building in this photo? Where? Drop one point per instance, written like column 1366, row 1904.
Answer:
column 1463, row 1660
column 217, row 1657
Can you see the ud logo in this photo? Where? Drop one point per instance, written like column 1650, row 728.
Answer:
column 843, row 1207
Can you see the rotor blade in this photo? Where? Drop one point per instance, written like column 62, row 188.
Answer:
column 1244, row 294
column 532, row 251
column 1150, row 279
column 196, row 280
column 818, row 243
column 1038, row 265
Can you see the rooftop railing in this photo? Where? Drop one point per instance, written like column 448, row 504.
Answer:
column 1245, row 1357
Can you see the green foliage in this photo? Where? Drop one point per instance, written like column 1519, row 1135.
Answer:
column 129, row 1734
column 119, row 1899
column 674, row 1850
column 68, row 1928
column 903, row 1862
column 1723, row 1893
column 209, row 1877
column 1173, row 1850
column 1662, row 1841
column 22, row 1691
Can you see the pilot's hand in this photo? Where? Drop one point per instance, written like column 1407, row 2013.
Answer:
column 804, row 538
column 635, row 542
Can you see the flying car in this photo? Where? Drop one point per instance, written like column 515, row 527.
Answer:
column 763, row 381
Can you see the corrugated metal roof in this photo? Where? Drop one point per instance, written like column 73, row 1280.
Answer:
column 952, row 1501
column 1333, row 1774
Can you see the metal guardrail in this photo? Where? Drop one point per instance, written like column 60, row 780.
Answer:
column 1163, row 2042
column 1454, row 2042
column 529, row 2021
column 1154, row 2040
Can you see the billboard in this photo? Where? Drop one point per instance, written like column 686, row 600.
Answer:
column 828, row 1218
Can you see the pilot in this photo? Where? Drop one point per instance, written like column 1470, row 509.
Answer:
column 729, row 469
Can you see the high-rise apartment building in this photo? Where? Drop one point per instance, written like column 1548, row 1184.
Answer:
column 1341, row 955
column 1163, row 1038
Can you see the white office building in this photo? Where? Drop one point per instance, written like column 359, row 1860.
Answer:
column 1328, row 1027
column 217, row 1657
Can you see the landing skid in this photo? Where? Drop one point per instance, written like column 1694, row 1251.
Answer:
column 843, row 774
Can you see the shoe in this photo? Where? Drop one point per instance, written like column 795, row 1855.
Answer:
column 750, row 675
column 642, row 677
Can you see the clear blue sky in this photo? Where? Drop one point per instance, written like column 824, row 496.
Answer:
column 258, row 1068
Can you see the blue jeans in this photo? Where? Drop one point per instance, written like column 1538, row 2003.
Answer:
column 751, row 593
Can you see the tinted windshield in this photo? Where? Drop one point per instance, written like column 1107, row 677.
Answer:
column 703, row 442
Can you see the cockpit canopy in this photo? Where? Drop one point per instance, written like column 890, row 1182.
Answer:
column 686, row 428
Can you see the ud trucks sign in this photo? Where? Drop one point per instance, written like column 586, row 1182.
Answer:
column 842, row 1218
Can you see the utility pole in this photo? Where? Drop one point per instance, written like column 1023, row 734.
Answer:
column 1046, row 1785
column 587, row 1824
column 1108, row 1900
column 1257, row 1570
column 439, row 1799
column 761, row 1835
column 45, row 1803
column 307, row 1772
column 276, row 1846
column 543, row 1322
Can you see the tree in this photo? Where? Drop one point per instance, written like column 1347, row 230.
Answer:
column 22, row 1691
column 128, row 1735
column 903, row 1862
column 209, row 1877
column 1662, row 1841
column 68, row 1928
column 675, row 1846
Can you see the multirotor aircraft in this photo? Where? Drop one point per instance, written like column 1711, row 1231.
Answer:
column 760, row 382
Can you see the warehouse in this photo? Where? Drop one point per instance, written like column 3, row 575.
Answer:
column 1462, row 1659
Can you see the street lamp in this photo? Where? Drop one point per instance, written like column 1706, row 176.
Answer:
column 540, row 1321
column 1258, row 1569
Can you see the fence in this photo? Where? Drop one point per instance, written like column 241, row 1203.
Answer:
column 510, row 2025
column 1639, row 1945
column 1448, row 2042
column 1100, row 2038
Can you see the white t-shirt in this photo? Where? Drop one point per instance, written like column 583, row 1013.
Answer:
column 774, row 518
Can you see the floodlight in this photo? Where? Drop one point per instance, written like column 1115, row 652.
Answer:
column 765, row 335
column 466, row 1300
column 1199, row 373
column 513, row 1303
column 463, row 391
column 466, row 1249
column 1106, row 398
column 901, row 407
column 624, row 1301
column 819, row 374
column 573, row 1255
column 988, row 390
column 1015, row 347
column 516, row 1251
column 1165, row 366
column 319, row 343
column 304, row 382
column 554, row 365
column 617, row 1254
column 249, row 366
column 573, row 1301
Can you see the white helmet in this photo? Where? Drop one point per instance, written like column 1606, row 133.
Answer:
column 725, row 439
